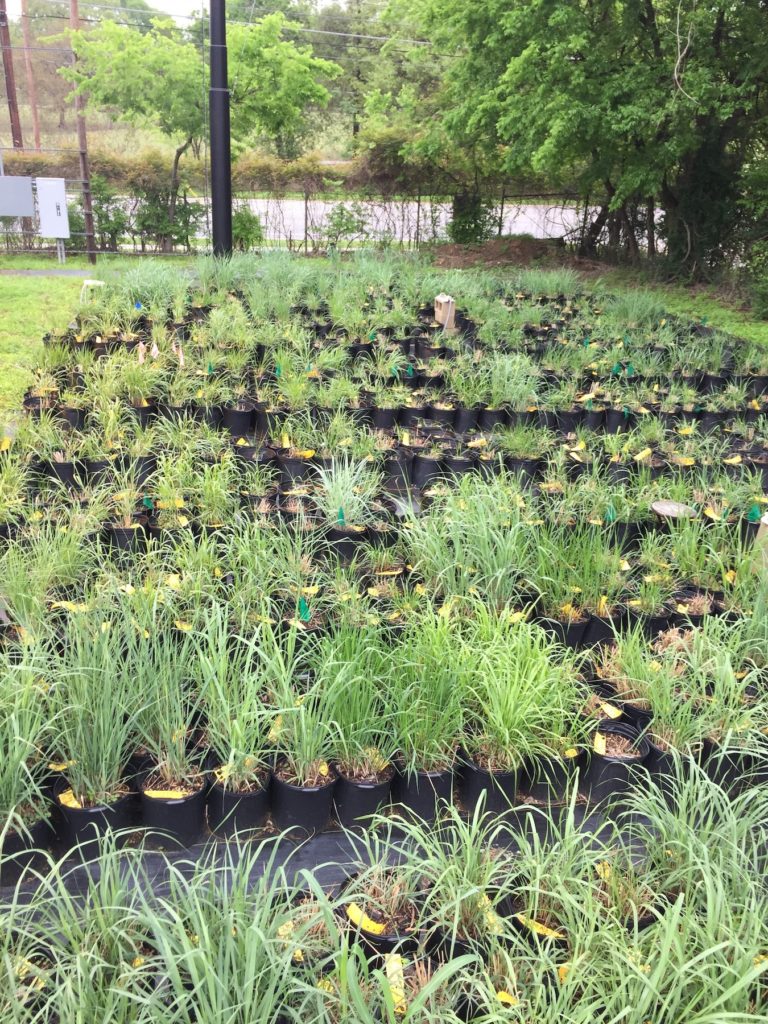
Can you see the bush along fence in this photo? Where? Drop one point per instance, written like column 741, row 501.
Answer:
column 279, row 555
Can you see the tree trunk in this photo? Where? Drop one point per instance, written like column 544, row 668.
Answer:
column 588, row 244
column 31, row 83
column 650, row 225
column 167, row 241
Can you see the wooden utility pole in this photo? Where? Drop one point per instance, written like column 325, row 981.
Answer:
column 10, row 78
column 31, row 84
column 82, row 145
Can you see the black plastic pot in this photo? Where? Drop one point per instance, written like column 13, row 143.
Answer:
column 384, row 419
column 98, row 470
column 144, row 466
column 458, row 465
column 624, row 536
column 345, row 542
column 571, row 634
column 75, row 417
column 421, row 793
column 465, row 420
column 444, row 417
column 145, row 414
column 19, row 849
column 355, row 802
column 610, row 778
column 734, row 770
column 498, row 788
column 83, row 826
column 230, row 812
column 600, row 629
column 618, row 421
column 425, row 470
column 294, row 470
column 409, row 415
column 527, row 471
column 664, row 766
column 546, row 779
column 239, row 422
column 301, row 810
column 66, row 473
column 126, row 538
column 181, row 819
column 490, row 418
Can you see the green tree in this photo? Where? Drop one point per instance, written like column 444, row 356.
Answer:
column 159, row 77
column 633, row 102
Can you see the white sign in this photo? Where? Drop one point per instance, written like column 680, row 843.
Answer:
column 52, row 208
column 16, row 196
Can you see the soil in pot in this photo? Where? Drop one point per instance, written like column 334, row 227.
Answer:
column 177, row 816
column 301, row 810
column 385, row 916
column 617, row 752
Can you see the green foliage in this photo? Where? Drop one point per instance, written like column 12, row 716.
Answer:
column 758, row 272
column 247, row 232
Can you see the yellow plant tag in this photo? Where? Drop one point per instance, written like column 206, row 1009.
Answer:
column 60, row 766
column 598, row 744
column 323, row 768
column 325, row 985
column 68, row 799
column 5, row 443
column 306, row 453
column 394, row 965
column 735, row 460
column 185, row 627
column 360, row 919
column 562, row 972
column 644, row 454
column 173, row 580
column 604, row 870
column 570, row 753
column 167, row 794
column 406, row 440
column 610, row 710
column 603, row 608
column 241, row 442
column 538, row 928
column 505, row 998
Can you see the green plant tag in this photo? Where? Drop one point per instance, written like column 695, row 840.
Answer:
column 629, row 370
column 304, row 612
column 278, row 371
column 753, row 515
column 610, row 514
column 704, row 320
column 210, row 369
column 372, row 336
column 586, row 342
column 590, row 405
column 340, row 518
column 148, row 503
column 409, row 370
column 616, row 369
column 625, row 411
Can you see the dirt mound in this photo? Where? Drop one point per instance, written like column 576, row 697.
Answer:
column 499, row 252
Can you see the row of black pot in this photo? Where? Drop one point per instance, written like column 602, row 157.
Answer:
column 604, row 779
column 256, row 417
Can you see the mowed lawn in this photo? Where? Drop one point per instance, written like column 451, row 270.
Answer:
column 29, row 306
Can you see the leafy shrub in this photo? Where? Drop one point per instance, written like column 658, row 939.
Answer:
column 247, row 230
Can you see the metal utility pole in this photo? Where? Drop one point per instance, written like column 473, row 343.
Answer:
column 82, row 145
column 31, row 83
column 218, row 109
column 10, row 78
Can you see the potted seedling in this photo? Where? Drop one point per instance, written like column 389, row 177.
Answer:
column 425, row 706
column 57, row 450
column 172, row 782
column 140, row 382
column 92, row 733
column 14, row 479
column 238, row 726
column 518, row 688
column 345, row 496
column 351, row 663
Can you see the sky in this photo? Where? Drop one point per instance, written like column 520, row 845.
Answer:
column 176, row 8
